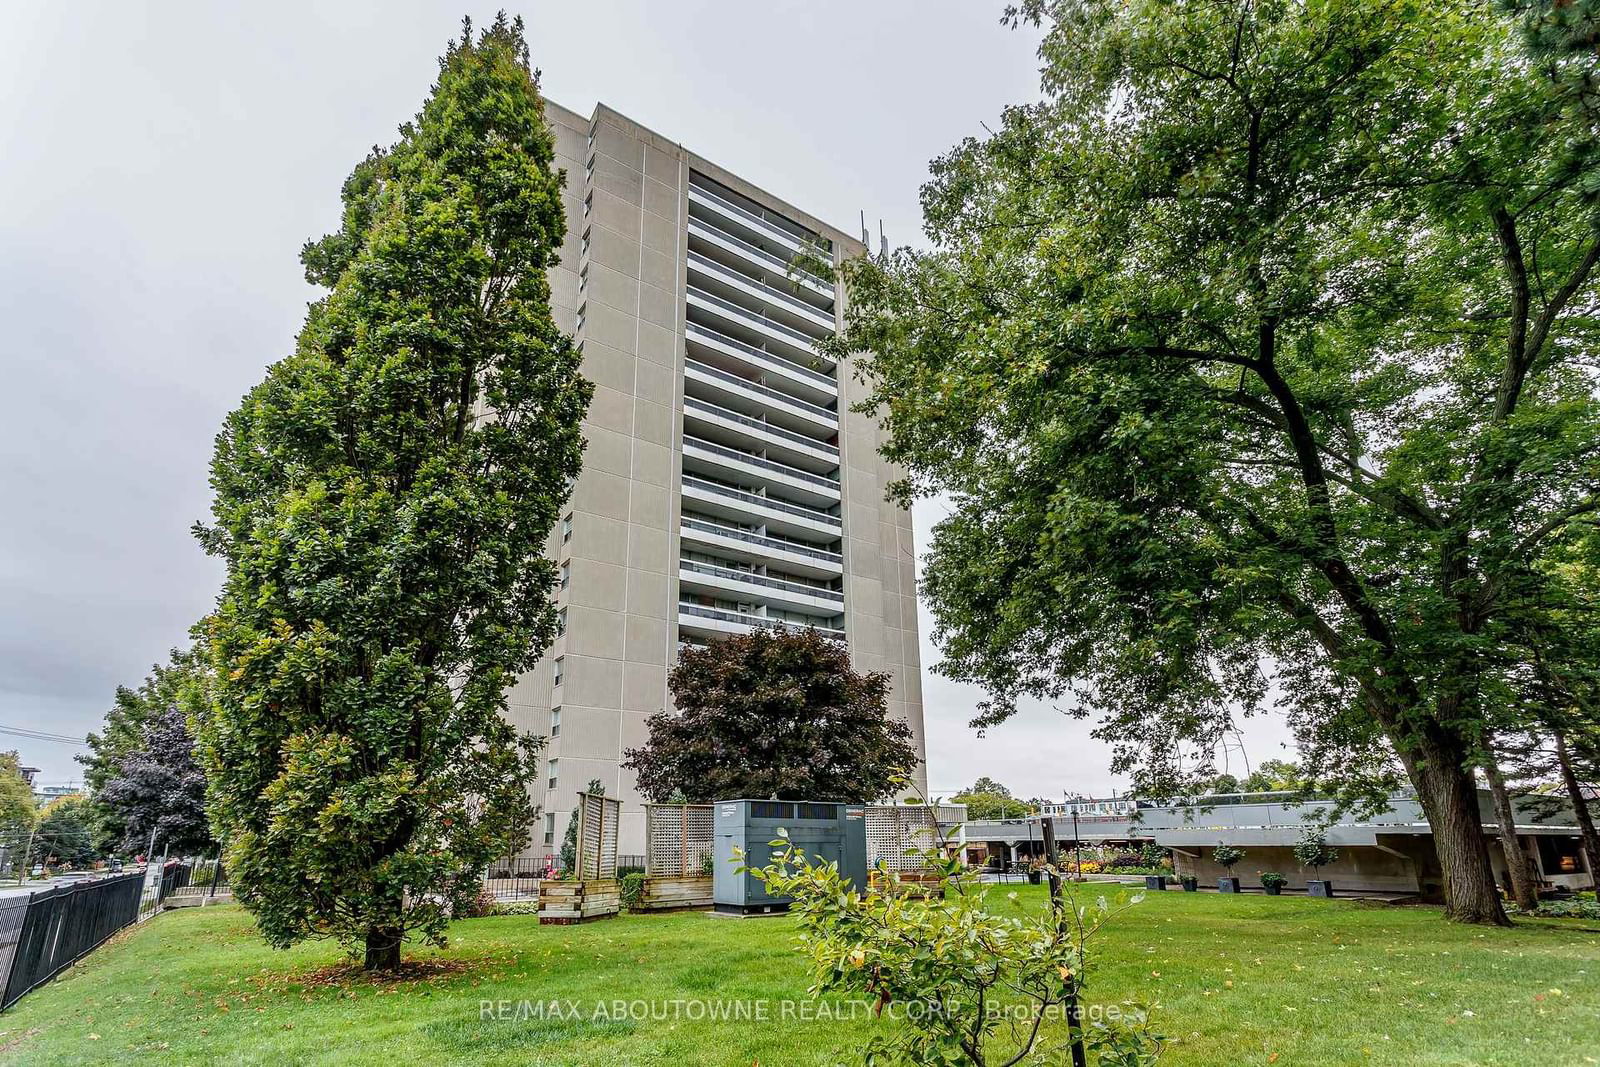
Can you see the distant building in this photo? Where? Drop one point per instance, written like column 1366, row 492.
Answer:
column 45, row 794
column 1388, row 853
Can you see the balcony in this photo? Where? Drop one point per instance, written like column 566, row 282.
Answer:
column 733, row 391
column 786, row 342
column 729, row 502
column 807, row 384
column 787, row 306
column 815, row 490
column 732, row 583
column 794, row 556
column 712, row 421
column 713, row 204
column 697, row 618
column 709, row 235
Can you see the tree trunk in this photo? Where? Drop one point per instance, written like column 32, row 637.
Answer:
column 383, row 949
column 1449, row 796
column 1522, row 882
column 1580, row 806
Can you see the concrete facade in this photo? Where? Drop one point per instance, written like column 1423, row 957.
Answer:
column 726, row 483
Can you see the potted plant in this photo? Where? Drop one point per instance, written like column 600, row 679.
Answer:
column 1273, row 883
column 1313, row 851
column 1155, row 882
column 1190, row 883
column 1035, row 872
column 1225, row 856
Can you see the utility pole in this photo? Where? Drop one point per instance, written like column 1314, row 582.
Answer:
column 27, row 855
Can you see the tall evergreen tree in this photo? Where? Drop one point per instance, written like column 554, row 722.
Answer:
column 382, row 502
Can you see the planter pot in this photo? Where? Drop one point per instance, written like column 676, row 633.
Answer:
column 1227, row 885
column 1318, row 888
column 1155, row 882
column 1191, row 885
column 1273, row 890
column 1033, row 877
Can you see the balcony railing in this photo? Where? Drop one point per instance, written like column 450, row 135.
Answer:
column 760, row 254
column 782, row 362
column 799, row 439
column 754, row 621
column 799, row 337
column 762, row 501
column 777, row 544
column 756, row 387
column 756, row 461
column 752, row 219
column 767, row 292
column 734, row 574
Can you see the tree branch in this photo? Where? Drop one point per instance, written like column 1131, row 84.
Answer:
column 1517, row 360
column 1547, row 317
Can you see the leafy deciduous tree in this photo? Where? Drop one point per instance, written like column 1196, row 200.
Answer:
column 1260, row 338
column 988, row 799
column 17, row 807
column 65, row 833
column 123, row 733
column 158, row 791
column 776, row 712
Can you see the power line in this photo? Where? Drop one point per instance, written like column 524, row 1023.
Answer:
column 41, row 735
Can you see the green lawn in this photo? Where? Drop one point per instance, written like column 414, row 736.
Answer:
column 1234, row 980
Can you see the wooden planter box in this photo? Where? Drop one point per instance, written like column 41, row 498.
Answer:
column 912, row 883
column 564, row 903
column 667, row 893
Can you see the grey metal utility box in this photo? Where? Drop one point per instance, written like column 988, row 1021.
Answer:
column 835, row 832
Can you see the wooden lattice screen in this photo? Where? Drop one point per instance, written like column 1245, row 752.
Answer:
column 597, row 836
column 678, row 837
column 894, row 828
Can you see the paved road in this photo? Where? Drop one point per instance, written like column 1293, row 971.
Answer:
column 9, row 888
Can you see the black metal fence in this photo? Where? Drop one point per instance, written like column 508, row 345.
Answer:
column 518, row 877
column 196, row 880
column 47, row 931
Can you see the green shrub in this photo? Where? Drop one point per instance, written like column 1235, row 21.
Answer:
column 1226, row 856
column 1313, row 850
column 1576, row 908
column 1273, row 879
column 623, row 872
column 632, row 889
column 517, row 907
column 1153, row 855
column 903, row 950
column 482, row 905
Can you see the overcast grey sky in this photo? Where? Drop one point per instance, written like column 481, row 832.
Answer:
column 161, row 164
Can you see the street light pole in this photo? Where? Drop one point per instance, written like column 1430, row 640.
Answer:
column 1077, row 843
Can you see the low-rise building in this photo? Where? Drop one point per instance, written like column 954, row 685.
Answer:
column 1387, row 853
